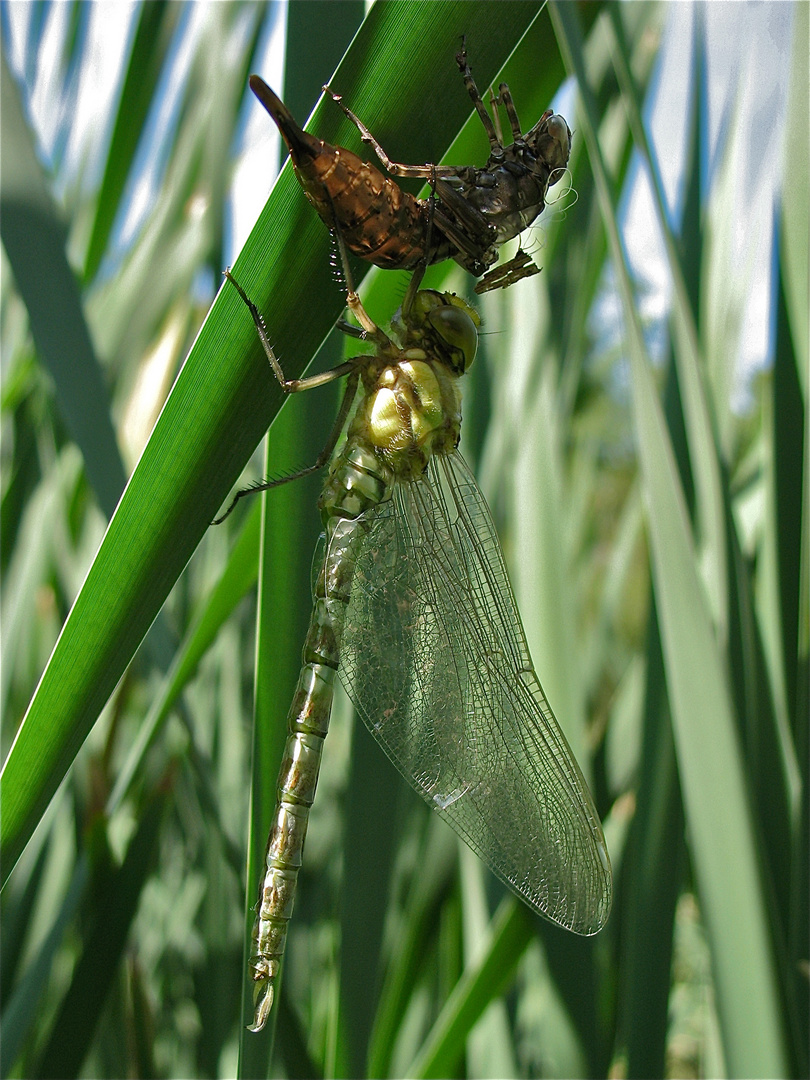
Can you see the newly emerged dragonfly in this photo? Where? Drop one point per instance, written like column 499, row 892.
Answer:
column 471, row 213
column 413, row 609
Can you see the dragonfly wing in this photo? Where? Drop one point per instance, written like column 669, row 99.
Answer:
column 434, row 657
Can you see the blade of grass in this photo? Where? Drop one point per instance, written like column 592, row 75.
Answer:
column 511, row 930
column 117, row 894
column 700, row 423
column 34, row 239
column 370, row 844
column 795, row 220
column 653, row 876
column 156, row 25
column 236, row 580
column 22, row 1008
column 710, row 768
column 428, row 888
column 489, row 1048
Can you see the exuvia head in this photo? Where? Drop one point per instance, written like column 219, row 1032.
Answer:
column 550, row 142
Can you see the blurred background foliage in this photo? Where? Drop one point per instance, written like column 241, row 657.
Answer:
column 650, row 492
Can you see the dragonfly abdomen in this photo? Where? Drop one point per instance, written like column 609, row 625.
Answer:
column 308, row 724
column 354, row 488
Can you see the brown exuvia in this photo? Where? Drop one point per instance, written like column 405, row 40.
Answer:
column 471, row 211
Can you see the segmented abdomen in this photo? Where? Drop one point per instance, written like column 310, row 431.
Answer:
column 378, row 220
column 356, row 484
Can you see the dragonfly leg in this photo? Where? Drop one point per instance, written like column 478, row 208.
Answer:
column 501, row 277
column 350, row 367
column 412, row 290
column 322, row 458
column 289, row 386
column 480, row 108
column 496, row 116
column 419, row 272
column 258, row 322
column 370, row 330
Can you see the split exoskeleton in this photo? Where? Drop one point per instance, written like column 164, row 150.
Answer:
column 470, row 213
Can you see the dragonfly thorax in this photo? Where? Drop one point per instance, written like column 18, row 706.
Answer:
column 410, row 407
column 511, row 190
column 413, row 408
column 413, row 412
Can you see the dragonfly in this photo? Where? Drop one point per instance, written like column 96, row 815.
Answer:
column 414, row 611
column 471, row 212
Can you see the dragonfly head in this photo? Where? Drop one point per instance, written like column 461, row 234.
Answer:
column 550, row 141
column 444, row 325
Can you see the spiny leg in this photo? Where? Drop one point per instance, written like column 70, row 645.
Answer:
column 322, row 459
column 289, row 386
column 480, row 108
column 369, row 330
column 353, row 302
column 355, row 306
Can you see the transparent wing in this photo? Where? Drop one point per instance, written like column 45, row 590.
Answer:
column 435, row 659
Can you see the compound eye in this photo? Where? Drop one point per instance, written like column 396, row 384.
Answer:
column 456, row 328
